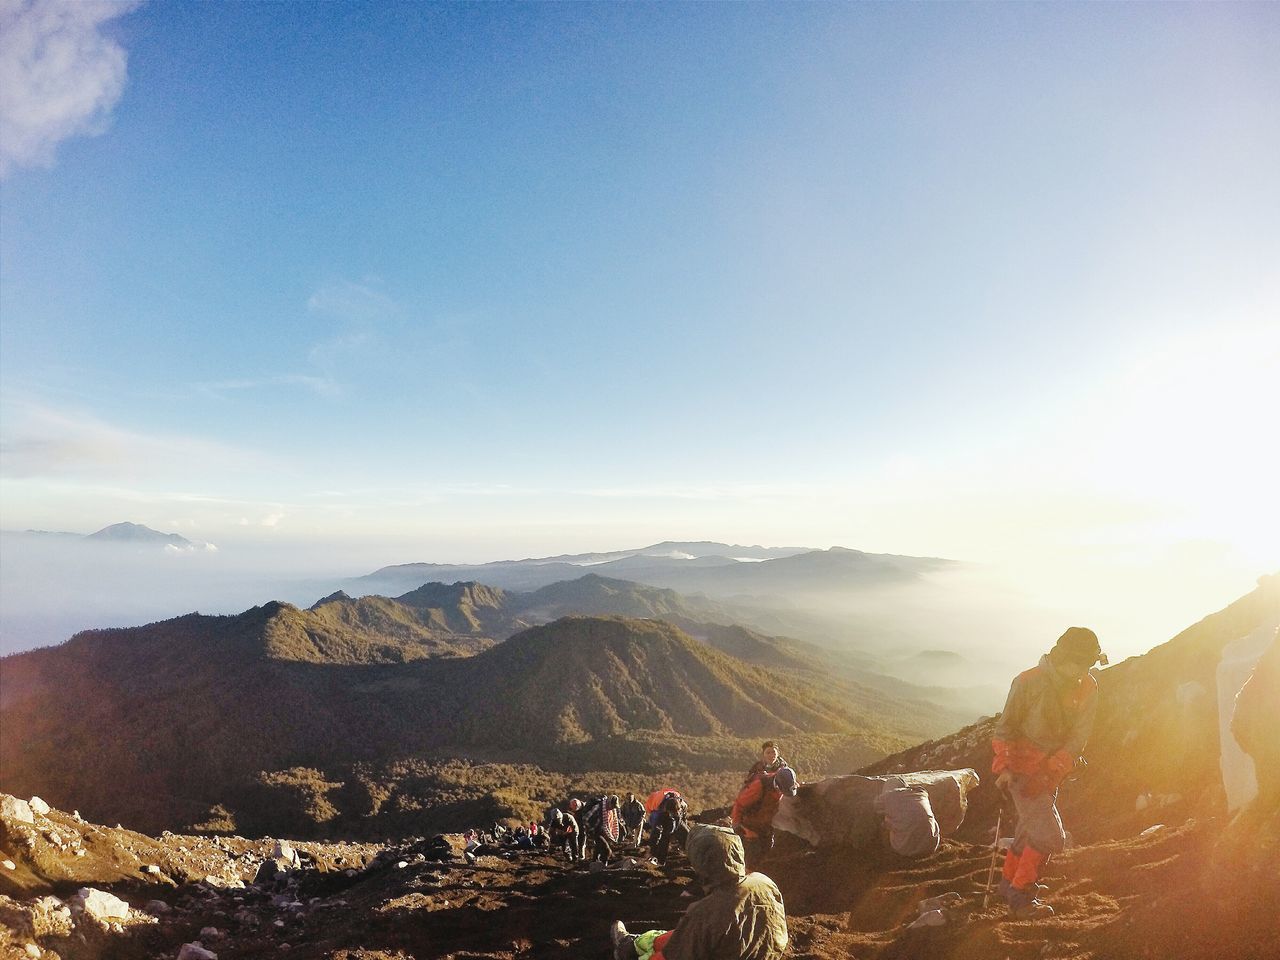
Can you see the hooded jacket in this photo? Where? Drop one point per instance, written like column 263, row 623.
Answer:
column 1045, row 723
column 742, row 918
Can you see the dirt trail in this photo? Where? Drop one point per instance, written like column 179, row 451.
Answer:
column 1199, row 890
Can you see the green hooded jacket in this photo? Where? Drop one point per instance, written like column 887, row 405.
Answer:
column 742, row 918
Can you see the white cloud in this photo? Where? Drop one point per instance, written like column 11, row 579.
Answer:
column 60, row 76
column 351, row 301
column 321, row 386
column 40, row 442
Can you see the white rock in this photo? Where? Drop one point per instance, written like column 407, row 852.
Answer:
column 934, row 918
column 38, row 806
column 79, row 853
column 32, row 950
column 401, row 864
column 1152, row 829
column 195, row 951
column 285, row 854
column 101, row 905
column 8, row 864
column 11, row 808
column 951, row 899
column 151, row 868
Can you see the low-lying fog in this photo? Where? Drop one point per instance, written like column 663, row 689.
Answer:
column 971, row 626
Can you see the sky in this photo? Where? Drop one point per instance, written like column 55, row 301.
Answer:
column 376, row 283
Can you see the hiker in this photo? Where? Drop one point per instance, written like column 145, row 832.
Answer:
column 600, row 825
column 741, row 918
column 1045, row 724
column 755, row 807
column 911, row 828
column 667, row 812
column 633, row 819
column 770, row 762
column 565, row 836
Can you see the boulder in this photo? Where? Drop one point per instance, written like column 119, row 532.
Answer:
column 195, row 951
column 285, row 856
column 38, row 806
column 14, row 810
column 841, row 810
column 100, row 905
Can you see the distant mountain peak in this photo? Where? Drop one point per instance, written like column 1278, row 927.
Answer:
column 468, row 593
column 137, row 533
column 338, row 596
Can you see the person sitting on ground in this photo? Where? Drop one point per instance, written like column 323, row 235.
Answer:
column 754, row 810
column 770, row 762
column 908, row 819
column 632, row 819
column 1046, row 722
column 742, row 917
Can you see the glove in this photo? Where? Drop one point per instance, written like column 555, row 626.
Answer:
column 1000, row 756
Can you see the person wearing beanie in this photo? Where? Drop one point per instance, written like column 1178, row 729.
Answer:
column 1045, row 724
column 755, row 808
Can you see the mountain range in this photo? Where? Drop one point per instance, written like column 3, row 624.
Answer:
column 717, row 569
column 159, row 724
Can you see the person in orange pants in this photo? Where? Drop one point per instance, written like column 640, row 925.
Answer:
column 1046, row 722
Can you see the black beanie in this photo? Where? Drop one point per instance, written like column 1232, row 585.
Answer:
column 1079, row 640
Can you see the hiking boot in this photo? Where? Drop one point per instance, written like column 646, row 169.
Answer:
column 623, row 943
column 1023, row 905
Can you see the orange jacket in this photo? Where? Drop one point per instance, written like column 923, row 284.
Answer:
column 754, row 809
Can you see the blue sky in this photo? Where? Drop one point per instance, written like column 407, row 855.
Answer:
column 461, row 282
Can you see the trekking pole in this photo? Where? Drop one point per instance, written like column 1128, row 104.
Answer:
column 995, row 850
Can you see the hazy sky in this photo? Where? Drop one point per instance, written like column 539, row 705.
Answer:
column 463, row 282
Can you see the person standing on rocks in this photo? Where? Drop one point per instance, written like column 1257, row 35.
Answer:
column 633, row 819
column 755, row 808
column 742, row 917
column 1046, row 722
column 667, row 821
column 600, row 824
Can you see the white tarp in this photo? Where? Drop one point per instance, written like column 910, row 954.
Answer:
column 1238, row 660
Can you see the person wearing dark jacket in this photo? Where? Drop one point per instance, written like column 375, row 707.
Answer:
column 1046, row 722
column 742, row 917
column 666, row 822
column 633, row 818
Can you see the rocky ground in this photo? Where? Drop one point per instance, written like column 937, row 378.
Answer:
column 1198, row 890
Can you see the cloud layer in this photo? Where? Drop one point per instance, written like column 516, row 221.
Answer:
column 60, row 76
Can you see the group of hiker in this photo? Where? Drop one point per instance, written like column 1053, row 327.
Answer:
column 1046, row 722
column 595, row 829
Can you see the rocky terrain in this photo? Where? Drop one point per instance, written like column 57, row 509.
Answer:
column 1157, row 867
